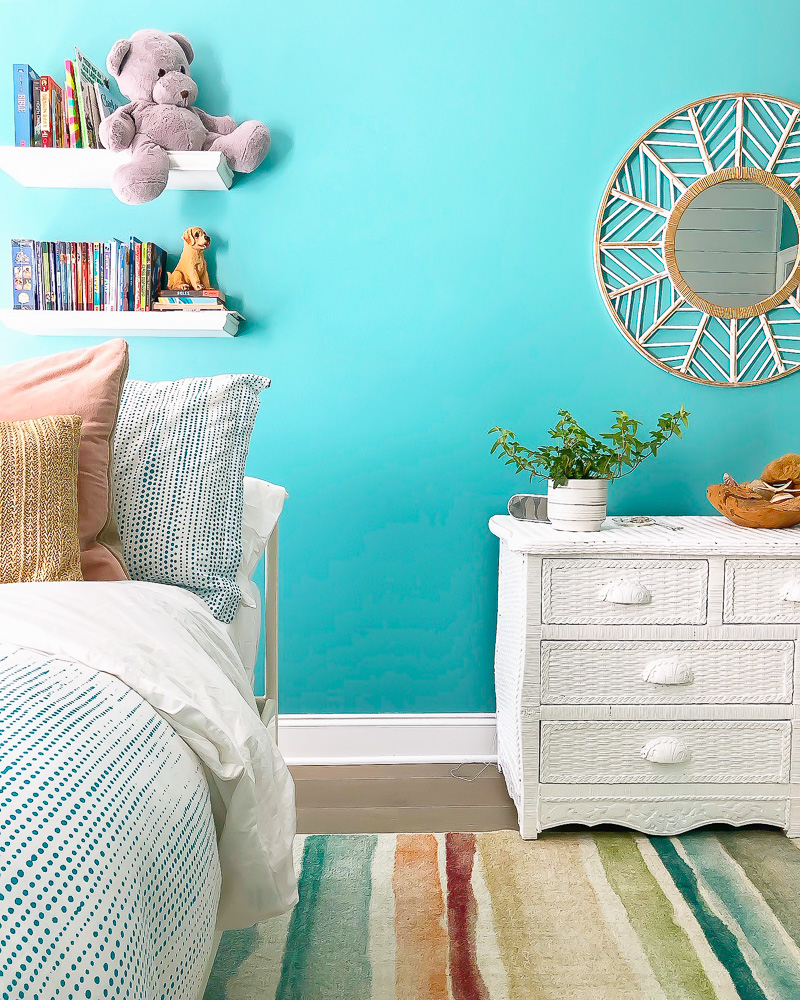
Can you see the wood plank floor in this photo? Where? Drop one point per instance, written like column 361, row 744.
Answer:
column 401, row 798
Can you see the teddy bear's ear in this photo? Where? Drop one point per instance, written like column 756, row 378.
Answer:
column 184, row 43
column 117, row 56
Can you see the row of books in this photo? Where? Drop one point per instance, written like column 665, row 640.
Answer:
column 47, row 113
column 115, row 276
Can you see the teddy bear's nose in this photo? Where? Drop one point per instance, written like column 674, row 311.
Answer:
column 184, row 93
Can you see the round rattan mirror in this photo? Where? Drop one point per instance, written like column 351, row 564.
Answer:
column 697, row 249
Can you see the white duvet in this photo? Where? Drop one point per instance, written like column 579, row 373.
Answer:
column 163, row 643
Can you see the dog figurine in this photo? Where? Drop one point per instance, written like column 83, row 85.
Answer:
column 191, row 272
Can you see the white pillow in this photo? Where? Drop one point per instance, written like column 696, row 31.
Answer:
column 263, row 503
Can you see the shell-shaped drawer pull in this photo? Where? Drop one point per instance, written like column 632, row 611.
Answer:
column 625, row 591
column 667, row 671
column 666, row 750
column 791, row 591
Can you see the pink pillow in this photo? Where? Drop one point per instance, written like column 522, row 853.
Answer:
column 87, row 383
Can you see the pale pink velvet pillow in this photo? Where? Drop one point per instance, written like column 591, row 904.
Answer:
column 88, row 383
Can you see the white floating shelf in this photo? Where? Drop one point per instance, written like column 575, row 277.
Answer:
column 93, row 168
column 171, row 323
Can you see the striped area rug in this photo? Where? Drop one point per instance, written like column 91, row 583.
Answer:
column 572, row 916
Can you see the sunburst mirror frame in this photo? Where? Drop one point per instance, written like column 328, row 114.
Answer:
column 749, row 137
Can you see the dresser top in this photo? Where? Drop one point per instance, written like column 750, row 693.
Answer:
column 690, row 535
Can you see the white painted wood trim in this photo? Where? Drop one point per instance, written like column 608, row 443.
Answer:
column 389, row 739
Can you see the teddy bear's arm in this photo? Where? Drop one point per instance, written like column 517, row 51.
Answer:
column 118, row 130
column 220, row 126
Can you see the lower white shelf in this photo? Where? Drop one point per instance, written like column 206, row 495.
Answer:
column 69, row 323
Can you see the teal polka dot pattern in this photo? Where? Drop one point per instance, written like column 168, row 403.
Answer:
column 180, row 450
column 109, row 873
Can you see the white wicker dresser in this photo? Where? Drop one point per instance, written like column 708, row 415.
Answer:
column 648, row 675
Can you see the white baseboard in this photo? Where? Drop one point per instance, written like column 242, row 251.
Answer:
column 388, row 739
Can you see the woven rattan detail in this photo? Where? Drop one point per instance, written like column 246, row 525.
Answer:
column 39, row 500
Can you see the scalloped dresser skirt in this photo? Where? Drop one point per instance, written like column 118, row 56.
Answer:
column 646, row 674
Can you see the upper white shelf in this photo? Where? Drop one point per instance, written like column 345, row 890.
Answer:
column 75, row 323
column 92, row 168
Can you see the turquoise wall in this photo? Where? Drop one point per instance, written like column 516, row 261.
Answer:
column 415, row 262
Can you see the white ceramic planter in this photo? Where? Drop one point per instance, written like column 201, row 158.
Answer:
column 580, row 505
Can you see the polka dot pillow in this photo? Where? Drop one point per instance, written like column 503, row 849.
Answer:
column 178, row 482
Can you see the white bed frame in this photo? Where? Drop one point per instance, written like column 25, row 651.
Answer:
column 268, row 702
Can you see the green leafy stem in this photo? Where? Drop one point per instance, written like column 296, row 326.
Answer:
column 578, row 455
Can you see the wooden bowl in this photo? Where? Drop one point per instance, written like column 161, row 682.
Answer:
column 745, row 508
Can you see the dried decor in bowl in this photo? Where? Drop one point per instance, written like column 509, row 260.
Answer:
column 747, row 507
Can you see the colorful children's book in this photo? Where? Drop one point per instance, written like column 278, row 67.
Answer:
column 71, row 106
column 73, row 275
column 25, row 82
column 23, row 257
column 86, row 75
column 51, row 249
column 107, row 104
column 45, row 300
column 59, row 277
column 106, row 265
column 136, row 272
column 49, row 92
column 97, row 249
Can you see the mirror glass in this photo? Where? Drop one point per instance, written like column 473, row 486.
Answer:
column 736, row 243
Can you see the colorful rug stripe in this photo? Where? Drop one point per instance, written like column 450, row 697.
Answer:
column 422, row 949
column 589, row 916
column 745, row 912
column 720, row 937
column 327, row 946
column 673, row 961
column 772, row 864
column 462, row 912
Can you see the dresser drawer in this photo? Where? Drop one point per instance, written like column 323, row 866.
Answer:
column 624, row 591
column 703, row 672
column 665, row 752
column 762, row 591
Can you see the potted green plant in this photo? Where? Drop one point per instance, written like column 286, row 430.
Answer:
column 579, row 467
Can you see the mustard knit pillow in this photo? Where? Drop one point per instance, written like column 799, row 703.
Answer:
column 39, row 500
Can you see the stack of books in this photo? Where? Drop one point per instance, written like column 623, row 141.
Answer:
column 65, row 115
column 115, row 276
column 204, row 298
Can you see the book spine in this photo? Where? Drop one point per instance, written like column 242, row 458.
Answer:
column 65, row 296
column 61, row 133
column 24, row 79
column 79, row 276
column 106, row 276
column 126, row 272
column 147, row 277
column 120, row 276
column 45, row 265
column 37, row 252
column 111, row 301
column 23, row 262
column 97, row 302
column 73, row 275
column 85, row 276
column 37, row 113
column 51, row 253
column 59, row 297
column 65, row 303
column 137, row 277
column 47, row 98
column 71, row 102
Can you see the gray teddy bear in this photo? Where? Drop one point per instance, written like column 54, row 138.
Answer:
column 152, row 71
